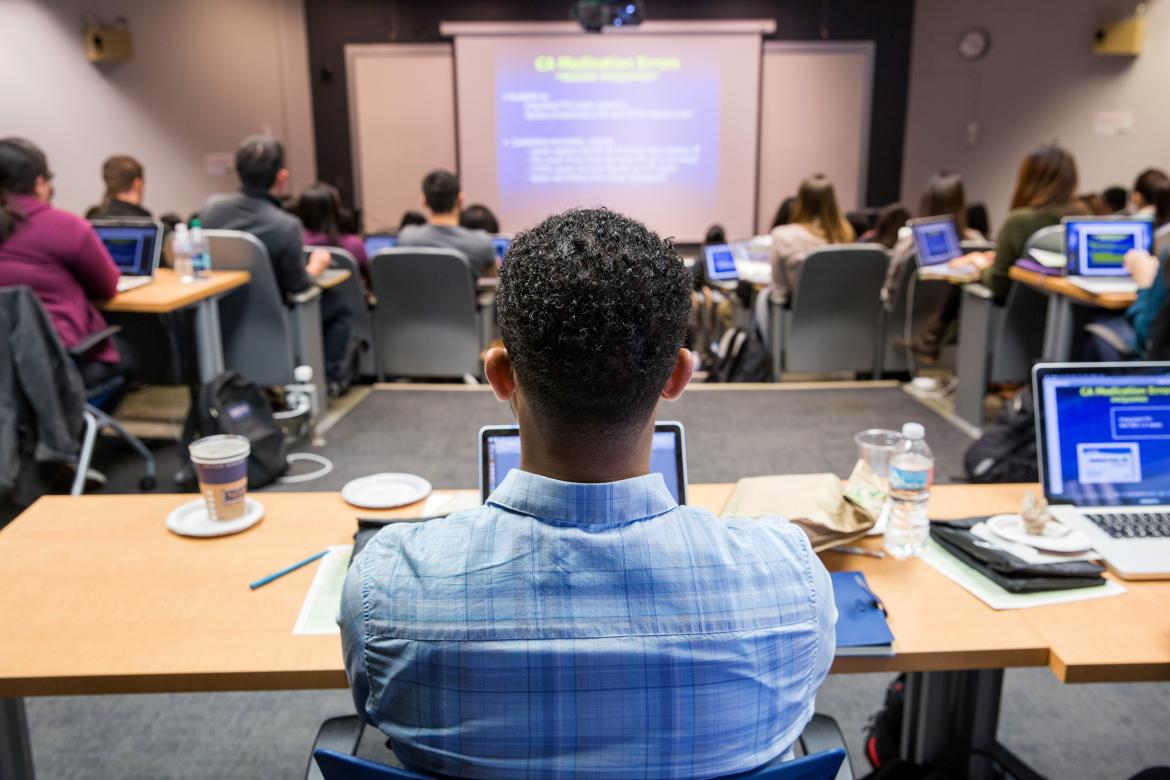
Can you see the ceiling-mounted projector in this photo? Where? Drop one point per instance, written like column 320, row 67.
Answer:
column 594, row 15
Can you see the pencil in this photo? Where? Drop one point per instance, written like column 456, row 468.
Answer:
column 277, row 575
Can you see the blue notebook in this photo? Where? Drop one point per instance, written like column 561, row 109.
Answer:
column 861, row 618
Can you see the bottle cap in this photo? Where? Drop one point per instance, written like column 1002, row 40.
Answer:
column 196, row 223
column 303, row 374
column 913, row 431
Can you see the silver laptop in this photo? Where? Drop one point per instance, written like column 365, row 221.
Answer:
column 135, row 245
column 1103, row 434
column 1096, row 247
column 499, row 453
column 936, row 244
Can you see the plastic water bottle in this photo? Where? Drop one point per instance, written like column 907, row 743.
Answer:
column 911, row 475
column 200, row 252
column 181, row 254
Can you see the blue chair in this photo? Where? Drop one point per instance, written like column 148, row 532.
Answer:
column 339, row 766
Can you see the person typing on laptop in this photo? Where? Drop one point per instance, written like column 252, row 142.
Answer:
column 581, row 623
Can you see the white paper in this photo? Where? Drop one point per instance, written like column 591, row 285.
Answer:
column 319, row 610
column 1025, row 552
column 1114, row 122
column 996, row 597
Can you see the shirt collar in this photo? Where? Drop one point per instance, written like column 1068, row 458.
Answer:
column 28, row 204
column 578, row 503
column 256, row 192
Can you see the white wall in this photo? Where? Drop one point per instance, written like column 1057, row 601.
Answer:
column 205, row 74
column 1040, row 82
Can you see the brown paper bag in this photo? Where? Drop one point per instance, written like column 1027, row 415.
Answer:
column 815, row 502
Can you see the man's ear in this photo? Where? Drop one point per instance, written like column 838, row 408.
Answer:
column 680, row 376
column 497, row 366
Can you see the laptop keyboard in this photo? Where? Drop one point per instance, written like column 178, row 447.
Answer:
column 1133, row 525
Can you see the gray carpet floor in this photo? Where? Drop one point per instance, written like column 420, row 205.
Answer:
column 1076, row 732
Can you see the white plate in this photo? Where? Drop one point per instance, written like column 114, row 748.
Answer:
column 385, row 491
column 191, row 519
column 1056, row 537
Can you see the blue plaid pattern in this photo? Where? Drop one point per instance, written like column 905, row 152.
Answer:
column 587, row 631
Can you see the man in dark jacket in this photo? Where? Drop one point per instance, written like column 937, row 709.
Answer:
column 256, row 209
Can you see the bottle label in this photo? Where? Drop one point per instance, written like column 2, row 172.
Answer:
column 911, row 480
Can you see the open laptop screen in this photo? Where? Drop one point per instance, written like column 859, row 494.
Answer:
column 1096, row 246
column 500, row 244
column 720, row 263
column 1104, row 432
column 378, row 242
column 500, row 453
column 936, row 241
column 133, row 247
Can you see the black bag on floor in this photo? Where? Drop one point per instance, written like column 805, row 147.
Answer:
column 231, row 404
column 742, row 358
column 1006, row 452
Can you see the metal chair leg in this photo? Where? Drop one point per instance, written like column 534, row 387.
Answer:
column 86, row 455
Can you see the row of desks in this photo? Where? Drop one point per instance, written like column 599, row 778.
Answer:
column 100, row 598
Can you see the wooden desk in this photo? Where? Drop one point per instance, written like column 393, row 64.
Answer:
column 166, row 294
column 1062, row 294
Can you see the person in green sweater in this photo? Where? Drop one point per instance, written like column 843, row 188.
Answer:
column 1045, row 190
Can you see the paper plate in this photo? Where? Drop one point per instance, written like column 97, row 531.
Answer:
column 1056, row 537
column 191, row 519
column 385, row 491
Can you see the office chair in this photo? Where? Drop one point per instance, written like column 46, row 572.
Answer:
column 834, row 319
column 265, row 336
column 354, row 291
column 425, row 322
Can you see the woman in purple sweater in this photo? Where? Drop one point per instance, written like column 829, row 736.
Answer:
column 319, row 209
column 55, row 253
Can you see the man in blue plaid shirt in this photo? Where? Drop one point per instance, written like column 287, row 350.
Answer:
column 581, row 624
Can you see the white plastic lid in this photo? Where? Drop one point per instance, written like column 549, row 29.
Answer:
column 303, row 374
column 913, row 431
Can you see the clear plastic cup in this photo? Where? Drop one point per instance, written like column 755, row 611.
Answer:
column 875, row 447
column 221, row 466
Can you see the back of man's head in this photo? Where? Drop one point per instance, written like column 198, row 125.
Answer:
column 441, row 191
column 593, row 309
column 119, row 173
column 258, row 161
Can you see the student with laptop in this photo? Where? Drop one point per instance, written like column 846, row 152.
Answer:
column 57, row 254
column 125, row 185
column 256, row 209
column 1044, row 193
column 583, row 622
column 319, row 210
column 443, row 199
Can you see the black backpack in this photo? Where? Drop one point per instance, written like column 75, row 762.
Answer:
column 1006, row 452
column 742, row 358
column 231, row 404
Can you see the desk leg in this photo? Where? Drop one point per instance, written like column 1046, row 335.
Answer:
column 973, row 364
column 16, row 761
column 950, row 722
column 208, row 339
column 1058, row 329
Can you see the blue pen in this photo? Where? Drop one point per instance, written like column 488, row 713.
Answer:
column 265, row 580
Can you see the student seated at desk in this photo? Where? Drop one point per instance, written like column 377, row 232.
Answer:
column 1136, row 333
column 944, row 196
column 1044, row 194
column 1151, row 198
column 887, row 228
column 58, row 255
column 581, row 622
column 479, row 217
column 125, row 185
column 444, row 200
column 256, row 209
column 816, row 221
column 319, row 209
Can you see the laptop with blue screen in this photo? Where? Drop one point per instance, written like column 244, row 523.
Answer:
column 1096, row 248
column 1103, row 435
column 376, row 242
column 936, row 244
column 135, row 245
column 499, row 453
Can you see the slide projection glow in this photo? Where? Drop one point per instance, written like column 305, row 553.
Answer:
column 660, row 127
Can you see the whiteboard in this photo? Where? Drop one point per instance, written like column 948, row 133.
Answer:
column 402, row 124
column 814, row 118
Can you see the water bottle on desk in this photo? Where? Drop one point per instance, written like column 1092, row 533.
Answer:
column 200, row 252
column 911, row 475
column 181, row 254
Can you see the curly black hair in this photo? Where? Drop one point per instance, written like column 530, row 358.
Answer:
column 593, row 308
